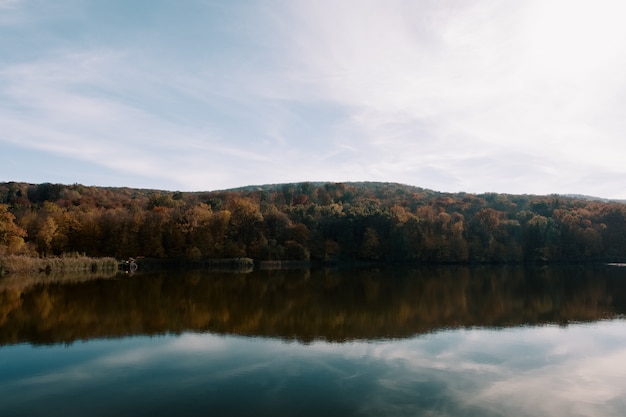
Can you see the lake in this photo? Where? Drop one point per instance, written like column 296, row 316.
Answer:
column 436, row 341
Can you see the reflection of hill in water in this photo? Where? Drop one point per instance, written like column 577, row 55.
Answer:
column 306, row 305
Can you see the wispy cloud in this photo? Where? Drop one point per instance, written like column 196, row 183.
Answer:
column 478, row 96
column 450, row 80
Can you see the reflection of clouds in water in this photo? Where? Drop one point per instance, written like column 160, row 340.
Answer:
column 579, row 370
column 96, row 367
column 193, row 342
column 552, row 371
column 574, row 387
column 74, row 373
column 126, row 358
column 549, row 371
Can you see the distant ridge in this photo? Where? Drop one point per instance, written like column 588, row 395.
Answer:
column 372, row 185
column 591, row 198
column 366, row 184
column 379, row 184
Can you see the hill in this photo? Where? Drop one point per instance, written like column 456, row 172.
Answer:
column 359, row 221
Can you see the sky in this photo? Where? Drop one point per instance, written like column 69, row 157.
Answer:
column 521, row 97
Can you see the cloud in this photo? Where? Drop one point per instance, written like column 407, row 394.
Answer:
column 89, row 106
column 447, row 81
column 455, row 96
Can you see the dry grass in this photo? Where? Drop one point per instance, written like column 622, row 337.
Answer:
column 70, row 263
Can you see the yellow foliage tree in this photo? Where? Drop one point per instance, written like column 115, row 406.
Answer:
column 11, row 235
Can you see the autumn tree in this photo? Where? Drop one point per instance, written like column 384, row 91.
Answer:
column 11, row 235
column 380, row 222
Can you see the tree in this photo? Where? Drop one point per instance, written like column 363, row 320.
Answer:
column 11, row 235
column 370, row 246
column 245, row 225
column 45, row 235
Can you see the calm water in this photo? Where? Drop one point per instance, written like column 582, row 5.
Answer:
column 432, row 341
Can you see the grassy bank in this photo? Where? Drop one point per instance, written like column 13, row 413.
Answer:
column 18, row 264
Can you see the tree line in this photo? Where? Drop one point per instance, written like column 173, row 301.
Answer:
column 374, row 222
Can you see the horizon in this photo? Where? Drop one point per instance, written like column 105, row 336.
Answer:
column 455, row 97
column 250, row 186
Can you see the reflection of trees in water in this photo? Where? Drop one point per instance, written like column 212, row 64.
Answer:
column 311, row 304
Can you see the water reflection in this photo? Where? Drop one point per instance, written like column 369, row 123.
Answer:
column 308, row 305
column 525, row 371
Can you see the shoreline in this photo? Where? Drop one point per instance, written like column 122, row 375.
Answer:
column 71, row 263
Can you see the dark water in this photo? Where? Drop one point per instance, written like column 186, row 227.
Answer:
column 450, row 341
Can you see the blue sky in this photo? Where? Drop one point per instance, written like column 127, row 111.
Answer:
column 483, row 96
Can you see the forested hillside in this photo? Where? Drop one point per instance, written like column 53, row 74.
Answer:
column 382, row 222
